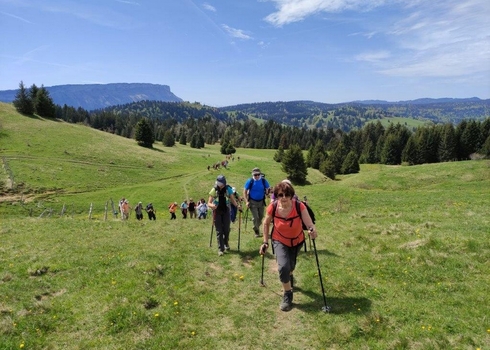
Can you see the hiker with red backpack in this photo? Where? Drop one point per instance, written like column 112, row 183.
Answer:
column 255, row 191
column 220, row 197
column 287, row 216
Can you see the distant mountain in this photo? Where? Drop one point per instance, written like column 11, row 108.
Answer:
column 351, row 115
column 419, row 101
column 97, row 96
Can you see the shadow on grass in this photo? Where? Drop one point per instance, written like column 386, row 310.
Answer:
column 337, row 305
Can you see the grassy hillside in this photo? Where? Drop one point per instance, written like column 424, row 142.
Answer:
column 404, row 252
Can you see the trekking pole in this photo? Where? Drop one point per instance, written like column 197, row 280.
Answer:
column 246, row 218
column 212, row 228
column 262, row 275
column 325, row 308
column 239, row 224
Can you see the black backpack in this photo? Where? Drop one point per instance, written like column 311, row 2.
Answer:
column 222, row 194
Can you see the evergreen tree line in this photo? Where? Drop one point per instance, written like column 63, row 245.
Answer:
column 396, row 144
column 34, row 100
column 332, row 151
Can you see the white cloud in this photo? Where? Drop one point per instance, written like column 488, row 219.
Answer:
column 425, row 38
column 373, row 57
column 289, row 11
column 442, row 39
column 236, row 33
column 209, row 7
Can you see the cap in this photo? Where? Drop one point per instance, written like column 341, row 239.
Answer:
column 255, row 171
column 221, row 179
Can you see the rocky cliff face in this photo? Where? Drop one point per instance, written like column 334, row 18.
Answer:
column 96, row 96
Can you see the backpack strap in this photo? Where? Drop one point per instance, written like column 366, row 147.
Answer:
column 298, row 210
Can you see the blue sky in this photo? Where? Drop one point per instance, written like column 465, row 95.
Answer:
column 227, row 52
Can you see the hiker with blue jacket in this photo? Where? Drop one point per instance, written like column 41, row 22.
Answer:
column 220, row 197
column 254, row 192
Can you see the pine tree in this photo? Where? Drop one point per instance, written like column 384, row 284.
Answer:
column 183, row 137
column 338, row 157
column 279, row 155
column 168, row 139
column 350, row 164
column 368, row 155
column 327, row 168
column 390, row 151
column 22, row 102
column 293, row 164
column 318, row 155
column 410, row 153
column 485, row 150
column 448, row 144
column 43, row 104
column 33, row 94
column 470, row 139
column 224, row 148
column 144, row 134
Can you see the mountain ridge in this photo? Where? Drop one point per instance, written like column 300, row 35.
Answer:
column 97, row 96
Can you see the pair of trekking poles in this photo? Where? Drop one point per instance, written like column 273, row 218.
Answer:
column 325, row 307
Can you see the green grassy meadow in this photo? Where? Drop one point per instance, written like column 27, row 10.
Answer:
column 404, row 252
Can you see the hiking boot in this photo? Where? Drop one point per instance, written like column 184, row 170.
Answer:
column 227, row 247
column 287, row 301
column 220, row 253
column 257, row 233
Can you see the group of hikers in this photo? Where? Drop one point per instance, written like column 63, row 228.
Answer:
column 125, row 209
column 195, row 210
column 282, row 222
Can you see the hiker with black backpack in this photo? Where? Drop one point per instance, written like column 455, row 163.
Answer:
column 220, row 197
column 255, row 191
column 287, row 216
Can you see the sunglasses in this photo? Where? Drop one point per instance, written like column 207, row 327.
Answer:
column 256, row 175
column 280, row 195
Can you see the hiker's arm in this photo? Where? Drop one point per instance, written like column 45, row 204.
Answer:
column 309, row 223
column 210, row 203
column 266, row 223
column 245, row 196
column 235, row 202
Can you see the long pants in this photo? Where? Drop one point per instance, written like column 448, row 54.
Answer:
column 222, row 224
column 192, row 214
column 233, row 211
column 286, row 259
column 257, row 209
